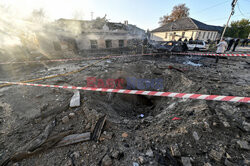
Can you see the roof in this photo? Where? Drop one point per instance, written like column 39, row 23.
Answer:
column 93, row 24
column 187, row 23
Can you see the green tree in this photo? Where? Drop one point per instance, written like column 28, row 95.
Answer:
column 178, row 11
column 238, row 29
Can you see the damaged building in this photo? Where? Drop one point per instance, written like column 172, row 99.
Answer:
column 100, row 34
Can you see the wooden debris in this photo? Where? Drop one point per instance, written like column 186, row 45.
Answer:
column 39, row 140
column 95, row 135
column 175, row 150
column 55, row 111
column 74, row 138
column 36, row 146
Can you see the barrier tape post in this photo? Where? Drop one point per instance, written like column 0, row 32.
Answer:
column 148, row 93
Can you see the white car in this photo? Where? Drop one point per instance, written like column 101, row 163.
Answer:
column 197, row 45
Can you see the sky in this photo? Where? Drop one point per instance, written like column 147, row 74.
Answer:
column 142, row 13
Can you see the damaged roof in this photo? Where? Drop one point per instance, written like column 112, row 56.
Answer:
column 187, row 23
column 95, row 24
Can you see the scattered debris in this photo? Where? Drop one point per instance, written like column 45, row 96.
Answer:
column 75, row 155
column 207, row 164
column 72, row 115
column 65, row 119
column 175, row 150
column 246, row 161
column 243, row 145
column 150, row 153
column 139, row 129
column 171, row 67
column 229, row 163
column 95, row 135
column 74, row 138
column 141, row 159
column 106, row 161
column 186, row 161
column 135, row 164
column 107, row 135
column 141, row 115
column 75, row 100
column 124, row 135
column 195, row 135
column 117, row 154
column 69, row 163
column 226, row 124
column 25, row 153
column 176, row 118
column 192, row 64
column 246, row 126
column 216, row 155
column 228, row 156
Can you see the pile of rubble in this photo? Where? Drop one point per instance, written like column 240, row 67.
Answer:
column 62, row 127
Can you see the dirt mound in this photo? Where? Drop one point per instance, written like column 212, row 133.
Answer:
column 139, row 129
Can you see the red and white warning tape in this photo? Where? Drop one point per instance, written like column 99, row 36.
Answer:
column 210, row 54
column 148, row 93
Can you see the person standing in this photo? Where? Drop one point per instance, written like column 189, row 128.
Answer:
column 244, row 42
column 236, row 43
column 221, row 48
column 230, row 43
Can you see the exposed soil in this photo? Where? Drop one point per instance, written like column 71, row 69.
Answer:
column 207, row 131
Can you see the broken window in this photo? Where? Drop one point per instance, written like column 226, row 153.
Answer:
column 183, row 34
column 108, row 43
column 93, row 44
column 121, row 43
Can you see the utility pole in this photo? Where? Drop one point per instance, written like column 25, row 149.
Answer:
column 232, row 13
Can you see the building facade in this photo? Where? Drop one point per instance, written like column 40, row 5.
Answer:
column 186, row 28
column 100, row 34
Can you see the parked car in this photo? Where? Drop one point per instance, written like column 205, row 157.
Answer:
column 197, row 45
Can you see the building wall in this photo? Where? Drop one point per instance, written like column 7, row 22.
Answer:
column 83, row 40
column 175, row 35
column 205, row 35
column 158, row 36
